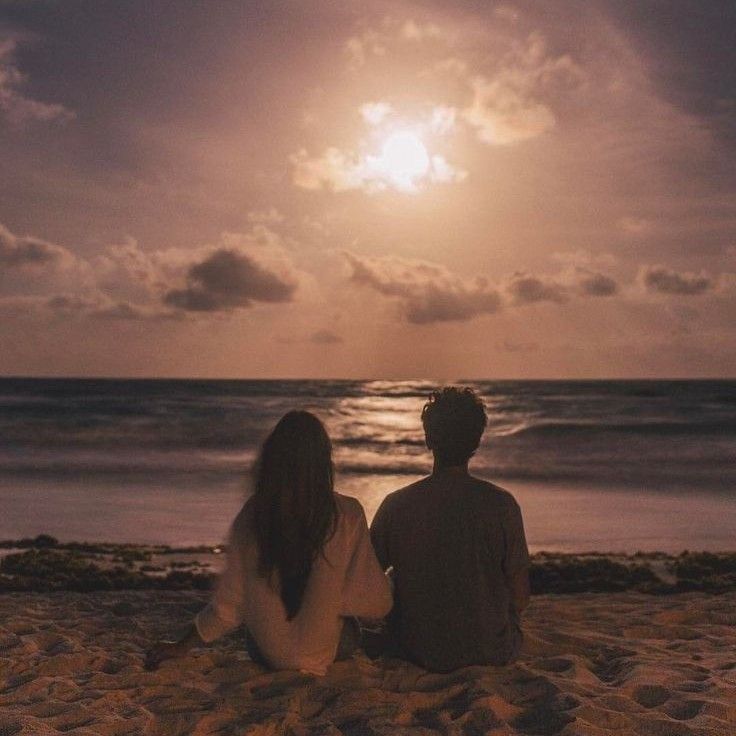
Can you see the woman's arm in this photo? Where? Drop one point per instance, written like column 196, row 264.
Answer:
column 223, row 613
column 164, row 650
column 367, row 592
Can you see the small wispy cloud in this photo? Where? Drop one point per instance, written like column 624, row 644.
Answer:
column 508, row 104
column 374, row 113
column 526, row 288
column 16, row 107
column 427, row 292
column 29, row 252
column 664, row 280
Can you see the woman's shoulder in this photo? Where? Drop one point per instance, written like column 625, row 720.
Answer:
column 243, row 522
column 349, row 508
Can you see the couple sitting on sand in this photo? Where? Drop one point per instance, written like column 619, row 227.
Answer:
column 302, row 566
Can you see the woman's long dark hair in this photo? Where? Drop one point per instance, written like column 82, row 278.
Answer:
column 294, row 507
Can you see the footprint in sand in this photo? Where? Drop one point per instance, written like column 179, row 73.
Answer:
column 651, row 696
column 554, row 664
column 10, row 728
column 52, row 644
column 684, row 710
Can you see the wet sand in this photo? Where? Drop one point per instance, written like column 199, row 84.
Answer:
column 623, row 663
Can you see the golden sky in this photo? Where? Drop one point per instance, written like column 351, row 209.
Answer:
column 373, row 189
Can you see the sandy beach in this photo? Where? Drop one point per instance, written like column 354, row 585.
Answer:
column 593, row 664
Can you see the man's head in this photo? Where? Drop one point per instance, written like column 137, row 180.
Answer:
column 454, row 420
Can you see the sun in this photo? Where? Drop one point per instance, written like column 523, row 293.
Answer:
column 404, row 159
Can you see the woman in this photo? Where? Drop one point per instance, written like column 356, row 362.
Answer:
column 299, row 562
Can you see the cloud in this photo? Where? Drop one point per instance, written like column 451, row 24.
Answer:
column 337, row 171
column 427, row 292
column 333, row 170
column 14, row 105
column 507, row 106
column 27, row 251
column 594, row 283
column 666, row 281
column 71, row 303
column 503, row 114
column 127, row 311
column 390, row 34
column 374, row 113
column 270, row 216
column 360, row 48
column 526, row 288
column 411, row 30
column 101, row 306
column 125, row 282
column 126, row 268
column 72, row 306
column 443, row 120
column 325, row 337
column 230, row 279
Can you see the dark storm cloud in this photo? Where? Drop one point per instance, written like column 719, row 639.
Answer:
column 229, row 279
column 29, row 251
column 666, row 281
column 427, row 292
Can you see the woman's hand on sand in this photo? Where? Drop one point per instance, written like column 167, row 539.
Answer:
column 162, row 651
column 171, row 649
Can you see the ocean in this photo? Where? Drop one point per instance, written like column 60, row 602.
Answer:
column 596, row 465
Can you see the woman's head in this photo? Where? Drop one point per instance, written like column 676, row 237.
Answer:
column 294, row 509
column 298, row 449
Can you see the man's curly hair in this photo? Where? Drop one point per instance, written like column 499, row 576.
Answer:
column 454, row 420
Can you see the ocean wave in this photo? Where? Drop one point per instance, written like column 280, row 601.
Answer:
column 663, row 428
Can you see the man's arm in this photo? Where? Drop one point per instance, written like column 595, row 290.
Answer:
column 379, row 535
column 520, row 590
column 516, row 561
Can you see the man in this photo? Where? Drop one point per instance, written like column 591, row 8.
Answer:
column 457, row 547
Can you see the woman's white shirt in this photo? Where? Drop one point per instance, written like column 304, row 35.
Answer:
column 346, row 580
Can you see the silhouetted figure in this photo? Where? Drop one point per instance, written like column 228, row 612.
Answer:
column 299, row 563
column 457, row 547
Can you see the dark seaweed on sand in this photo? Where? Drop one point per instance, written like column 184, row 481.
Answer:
column 44, row 564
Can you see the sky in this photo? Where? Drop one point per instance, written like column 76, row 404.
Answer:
column 439, row 190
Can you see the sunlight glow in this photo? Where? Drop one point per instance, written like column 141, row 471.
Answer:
column 404, row 159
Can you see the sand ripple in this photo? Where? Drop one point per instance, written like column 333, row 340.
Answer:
column 593, row 665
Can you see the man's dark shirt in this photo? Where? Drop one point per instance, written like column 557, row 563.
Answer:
column 455, row 543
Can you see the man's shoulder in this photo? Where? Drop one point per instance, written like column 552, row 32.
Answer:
column 495, row 494
column 404, row 495
column 406, row 492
